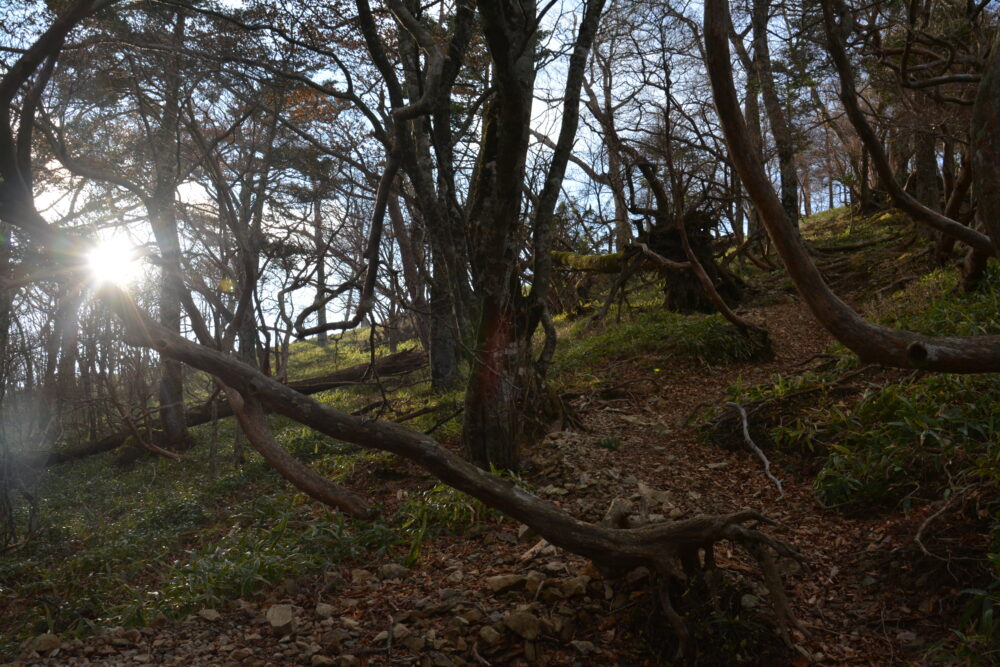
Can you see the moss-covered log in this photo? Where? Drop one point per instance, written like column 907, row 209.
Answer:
column 613, row 263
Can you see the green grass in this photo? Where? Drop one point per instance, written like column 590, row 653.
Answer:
column 839, row 226
column 166, row 538
column 658, row 334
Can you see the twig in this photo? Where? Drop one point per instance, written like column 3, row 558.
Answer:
column 919, row 537
column 755, row 448
column 441, row 422
column 478, row 658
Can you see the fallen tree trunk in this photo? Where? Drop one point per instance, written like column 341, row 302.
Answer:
column 612, row 263
column 394, row 364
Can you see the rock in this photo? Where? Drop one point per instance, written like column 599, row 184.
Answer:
column 748, row 601
column 554, row 566
column 455, row 577
column 524, row 624
column 41, row 644
column 489, row 635
column 553, row 490
column 415, row 643
column 400, row 631
column 348, row 660
column 585, row 648
column 324, row 610
column 439, row 659
column 281, row 617
column 210, row 614
column 359, row 576
column 333, row 581
column 505, row 582
column 393, row 571
column 533, row 580
column 717, row 466
column 575, row 586
column 320, row 659
column 526, row 534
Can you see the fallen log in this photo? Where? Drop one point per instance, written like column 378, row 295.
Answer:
column 613, row 263
column 394, row 364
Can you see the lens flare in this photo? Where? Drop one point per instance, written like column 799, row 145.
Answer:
column 114, row 261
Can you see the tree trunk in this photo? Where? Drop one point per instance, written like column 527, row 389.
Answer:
column 496, row 390
column 781, row 128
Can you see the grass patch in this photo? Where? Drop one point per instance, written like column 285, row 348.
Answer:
column 660, row 333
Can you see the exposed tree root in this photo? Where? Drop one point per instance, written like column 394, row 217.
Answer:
column 682, row 554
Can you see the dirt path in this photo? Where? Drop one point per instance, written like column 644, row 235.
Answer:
column 499, row 597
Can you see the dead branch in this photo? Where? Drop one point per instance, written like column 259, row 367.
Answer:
column 755, row 448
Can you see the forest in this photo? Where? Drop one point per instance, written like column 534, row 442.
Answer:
column 499, row 332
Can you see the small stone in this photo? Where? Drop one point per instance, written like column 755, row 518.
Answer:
column 324, row 610
column 575, row 586
column 347, row 660
column 455, row 577
column 320, row 659
column 41, row 644
column 400, row 631
column 490, row 635
column 240, row 654
column 415, row 643
column 210, row 614
column 524, row 624
column 717, row 466
column 748, row 601
column 281, row 617
column 333, row 581
column 676, row 513
column 584, row 647
column 359, row 576
column 393, row 571
column 526, row 534
column 533, row 580
column 504, row 582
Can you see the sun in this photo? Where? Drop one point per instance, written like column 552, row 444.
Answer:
column 115, row 262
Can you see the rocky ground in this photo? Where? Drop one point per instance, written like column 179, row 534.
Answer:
column 499, row 596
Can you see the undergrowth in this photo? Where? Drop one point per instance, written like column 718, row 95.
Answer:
column 167, row 538
column 653, row 331
column 892, row 440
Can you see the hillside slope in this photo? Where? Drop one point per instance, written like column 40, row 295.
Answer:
column 201, row 562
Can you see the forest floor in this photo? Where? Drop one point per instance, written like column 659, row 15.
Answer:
column 495, row 595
